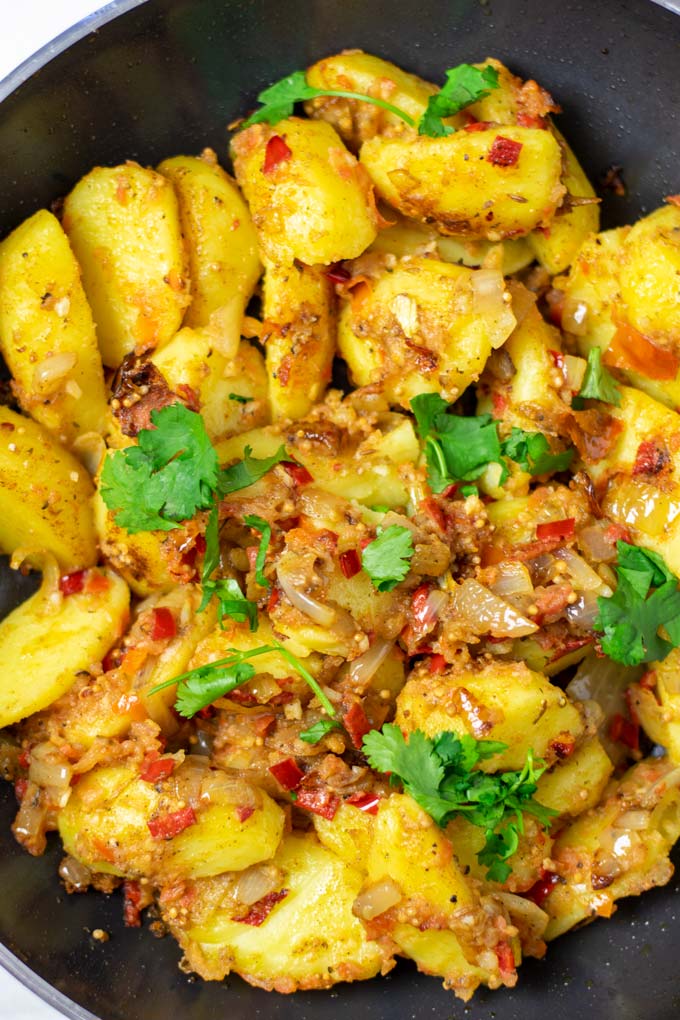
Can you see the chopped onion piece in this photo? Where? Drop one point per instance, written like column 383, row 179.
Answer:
column 574, row 316
column 583, row 577
column 574, row 370
column 256, row 882
column 489, row 301
column 595, row 544
column 362, row 670
column 584, row 611
column 323, row 615
column 406, row 313
column 513, row 579
column 487, row 613
column 376, row 899
column 637, row 820
column 47, row 376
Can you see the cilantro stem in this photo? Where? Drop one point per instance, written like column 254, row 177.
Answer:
column 342, row 94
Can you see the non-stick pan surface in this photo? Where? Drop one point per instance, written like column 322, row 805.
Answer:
column 165, row 78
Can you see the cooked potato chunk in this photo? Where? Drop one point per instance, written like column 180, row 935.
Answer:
column 423, row 326
column 47, row 335
column 576, row 784
column 44, row 496
column 309, row 198
column 453, row 182
column 658, row 710
column 223, row 261
column 299, row 337
column 123, row 225
column 44, row 646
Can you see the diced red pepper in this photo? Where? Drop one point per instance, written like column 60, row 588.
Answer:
column 164, row 626
column 298, row 472
column 96, row 583
column 558, row 359
column 651, row 458
column 541, row 889
column 630, row 349
column 556, row 529
column 499, row 403
column 319, row 800
column 563, row 747
column 430, row 507
column 506, row 959
column 155, row 768
column 70, row 584
column 24, row 759
column 368, row 802
column 356, row 724
column 287, row 773
column 616, row 533
column 527, row 120
column 337, row 273
column 350, row 562
column 477, row 125
column 168, row 826
column 438, row 663
column 261, row 910
column 276, row 152
column 504, row 151
column 132, row 898
column 274, row 599
column 244, row 812
column 624, row 731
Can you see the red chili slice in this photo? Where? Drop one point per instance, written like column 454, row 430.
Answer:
column 438, row 663
column 368, row 802
column 506, row 959
column 171, row 825
column 651, row 458
column 434, row 512
column 70, row 584
column 155, row 768
column 274, row 599
column 164, row 626
column 297, row 472
column 478, row 125
column 556, row 529
column 287, row 773
column 350, row 562
column 132, row 898
column 261, row 910
column 319, row 801
column 244, row 812
column 504, row 151
column 541, row 889
column 276, row 152
column 356, row 724
column 624, row 731
column 337, row 273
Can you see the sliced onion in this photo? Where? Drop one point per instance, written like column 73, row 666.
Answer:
column 583, row 577
column 513, row 579
column 362, row 670
column 47, row 376
column 405, row 312
column 488, row 300
column 90, row 449
column 75, row 874
column 29, row 824
column 46, row 772
column 532, row 920
column 316, row 611
column 637, row 820
column 584, row 612
column 574, row 370
column 376, row 899
column 596, row 545
column 434, row 604
column 575, row 316
column 256, row 882
column 487, row 613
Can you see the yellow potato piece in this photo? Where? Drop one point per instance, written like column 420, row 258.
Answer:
column 43, row 649
column 222, row 243
column 123, row 225
column 47, row 335
column 576, row 784
column 44, row 495
column 316, row 205
column 450, row 181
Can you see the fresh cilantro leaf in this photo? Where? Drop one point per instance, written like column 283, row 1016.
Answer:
column 166, row 478
column 440, row 774
column 380, row 508
column 386, row 559
column 631, row 618
column 531, row 450
column 240, row 399
column 266, row 532
column 247, row 471
column 201, row 686
column 278, row 101
column 426, row 407
column 469, row 490
column 597, row 383
column 465, row 84
column 318, row 731
column 230, row 599
column 456, row 448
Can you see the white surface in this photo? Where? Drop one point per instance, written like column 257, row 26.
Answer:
column 26, row 26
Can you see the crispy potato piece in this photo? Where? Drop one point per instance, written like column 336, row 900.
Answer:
column 576, row 784
column 315, row 205
column 123, row 225
column 44, row 496
column 47, row 335
column 348, row 834
column 451, row 182
column 310, row 939
column 535, row 844
column 299, row 336
column 650, row 267
column 502, row 701
column 44, row 646
column 658, row 710
column 194, row 359
column 421, row 327
column 222, row 242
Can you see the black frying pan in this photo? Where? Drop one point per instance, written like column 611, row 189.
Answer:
column 164, row 78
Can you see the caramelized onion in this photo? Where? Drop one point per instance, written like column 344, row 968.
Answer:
column 316, row 611
column 489, row 302
column 595, row 544
column 487, row 613
column 362, row 670
column 256, row 882
column 583, row 577
column 574, row 316
column 74, row 874
column 47, row 376
column 376, row 899
column 90, row 449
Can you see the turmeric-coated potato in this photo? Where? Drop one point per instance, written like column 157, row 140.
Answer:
column 47, row 335
column 309, row 198
column 45, row 643
column 44, row 494
column 123, row 225
column 221, row 240
column 492, row 184
column 299, row 337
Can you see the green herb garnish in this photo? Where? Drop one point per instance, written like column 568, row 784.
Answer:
column 230, row 599
column 240, row 399
column 266, row 532
column 598, row 383
column 646, row 599
column 440, row 774
column 387, row 558
column 248, row 471
column 318, row 731
column 465, row 85
column 531, row 450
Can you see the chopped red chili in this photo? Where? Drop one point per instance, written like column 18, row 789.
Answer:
column 70, row 584
column 261, row 910
column 298, row 472
column 624, row 731
column 506, row 959
column 337, row 273
column 438, row 663
column 652, row 457
column 320, row 801
column 356, row 724
column 276, row 152
column 430, row 507
column 168, row 826
column 556, row 529
column 350, row 562
column 287, row 773
column 274, row 599
column 132, row 898
column 244, row 812
column 541, row 889
column 504, row 151
column 478, row 125
column 155, row 768
column 164, row 626
column 368, row 802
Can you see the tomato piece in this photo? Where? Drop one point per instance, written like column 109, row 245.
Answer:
column 244, row 812
column 320, row 801
column 541, row 889
column 504, row 151
column 70, row 584
column 556, row 529
column 155, row 768
column 350, row 563
column 168, row 826
column 630, row 349
column 261, row 910
column 276, row 152
column 368, row 802
column 287, row 773
column 356, row 724
column 163, row 626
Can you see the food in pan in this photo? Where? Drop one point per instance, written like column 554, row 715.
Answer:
column 354, row 486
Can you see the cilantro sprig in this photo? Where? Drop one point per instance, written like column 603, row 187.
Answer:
column 440, row 774
column 265, row 530
column 598, row 383
column 199, row 687
column 318, row 731
column 531, row 450
column 464, row 85
column 387, row 558
column 230, row 599
column 646, row 599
